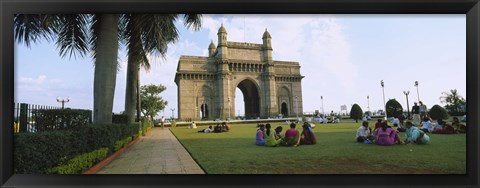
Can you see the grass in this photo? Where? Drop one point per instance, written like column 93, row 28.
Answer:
column 336, row 152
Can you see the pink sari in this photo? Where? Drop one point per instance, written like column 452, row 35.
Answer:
column 387, row 137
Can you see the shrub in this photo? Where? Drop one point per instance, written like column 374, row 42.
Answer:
column 356, row 112
column 81, row 162
column 438, row 112
column 394, row 108
column 119, row 118
column 122, row 143
column 61, row 119
column 36, row 153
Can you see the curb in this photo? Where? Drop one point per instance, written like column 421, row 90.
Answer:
column 95, row 168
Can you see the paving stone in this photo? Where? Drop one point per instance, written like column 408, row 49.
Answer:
column 157, row 153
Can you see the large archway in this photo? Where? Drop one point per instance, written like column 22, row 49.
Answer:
column 251, row 99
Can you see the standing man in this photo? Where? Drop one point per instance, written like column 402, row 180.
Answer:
column 423, row 110
column 162, row 121
column 416, row 114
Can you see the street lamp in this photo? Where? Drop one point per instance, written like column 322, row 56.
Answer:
column 63, row 101
column 296, row 106
column 172, row 109
column 368, row 103
column 384, row 104
column 408, row 107
column 323, row 112
column 416, row 85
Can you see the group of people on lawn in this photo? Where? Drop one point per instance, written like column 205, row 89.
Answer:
column 224, row 127
column 383, row 134
column 267, row 137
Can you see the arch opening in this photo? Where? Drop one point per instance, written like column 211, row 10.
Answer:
column 251, row 99
column 284, row 110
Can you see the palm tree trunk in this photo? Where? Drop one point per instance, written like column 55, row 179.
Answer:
column 105, row 67
column 131, row 90
column 139, row 100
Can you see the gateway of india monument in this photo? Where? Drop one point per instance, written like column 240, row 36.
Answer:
column 206, row 85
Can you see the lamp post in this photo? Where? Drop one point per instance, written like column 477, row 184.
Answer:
column 384, row 104
column 172, row 109
column 63, row 101
column 416, row 85
column 368, row 103
column 408, row 107
column 323, row 112
column 296, row 106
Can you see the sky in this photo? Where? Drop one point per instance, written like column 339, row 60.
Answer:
column 343, row 59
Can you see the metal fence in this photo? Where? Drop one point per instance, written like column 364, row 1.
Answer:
column 24, row 117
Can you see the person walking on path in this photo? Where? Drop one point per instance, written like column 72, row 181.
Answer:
column 162, row 121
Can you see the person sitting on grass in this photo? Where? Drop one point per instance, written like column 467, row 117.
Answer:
column 207, row 130
column 307, row 136
column 443, row 128
column 192, row 126
column 415, row 135
column 217, row 129
column 270, row 138
column 426, row 125
column 292, row 136
column 278, row 132
column 459, row 127
column 387, row 136
column 364, row 134
column 378, row 125
column 225, row 127
column 259, row 139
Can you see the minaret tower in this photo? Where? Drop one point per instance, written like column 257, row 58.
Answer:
column 211, row 49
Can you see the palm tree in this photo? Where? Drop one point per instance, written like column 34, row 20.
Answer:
column 99, row 33
column 80, row 33
column 145, row 34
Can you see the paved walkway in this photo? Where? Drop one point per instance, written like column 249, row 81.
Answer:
column 159, row 152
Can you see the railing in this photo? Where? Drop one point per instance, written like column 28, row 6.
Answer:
column 24, row 116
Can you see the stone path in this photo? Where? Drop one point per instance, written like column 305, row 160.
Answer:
column 159, row 152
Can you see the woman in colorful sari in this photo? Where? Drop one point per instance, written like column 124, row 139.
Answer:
column 415, row 135
column 259, row 139
column 292, row 136
column 386, row 136
column 443, row 128
column 269, row 135
column 307, row 136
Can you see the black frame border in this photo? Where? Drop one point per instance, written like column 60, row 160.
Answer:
column 9, row 7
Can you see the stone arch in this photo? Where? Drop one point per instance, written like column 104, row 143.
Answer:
column 283, row 97
column 251, row 95
column 204, row 102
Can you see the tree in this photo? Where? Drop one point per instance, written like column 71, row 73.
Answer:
column 394, row 108
column 98, row 33
column 145, row 34
column 356, row 112
column 80, row 33
column 455, row 104
column 438, row 112
column 151, row 102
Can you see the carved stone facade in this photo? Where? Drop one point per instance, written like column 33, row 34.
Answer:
column 206, row 85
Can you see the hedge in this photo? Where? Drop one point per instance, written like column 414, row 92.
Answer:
column 38, row 153
column 81, row 162
column 61, row 119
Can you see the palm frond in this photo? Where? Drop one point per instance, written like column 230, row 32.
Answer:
column 31, row 27
column 193, row 21
column 73, row 35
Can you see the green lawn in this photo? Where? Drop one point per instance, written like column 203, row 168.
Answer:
column 336, row 152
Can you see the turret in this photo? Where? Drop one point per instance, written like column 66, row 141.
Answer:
column 211, row 49
column 222, row 51
column 267, row 46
